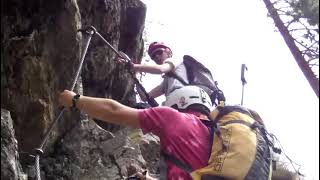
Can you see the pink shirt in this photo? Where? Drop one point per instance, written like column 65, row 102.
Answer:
column 182, row 135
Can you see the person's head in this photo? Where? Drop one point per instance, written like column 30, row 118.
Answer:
column 159, row 52
column 190, row 98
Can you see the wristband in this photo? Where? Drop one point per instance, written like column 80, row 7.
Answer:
column 74, row 101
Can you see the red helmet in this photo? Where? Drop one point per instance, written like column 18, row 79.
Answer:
column 153, row 47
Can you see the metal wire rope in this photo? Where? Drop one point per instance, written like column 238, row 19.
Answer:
column 39, row 151
column 90, row 31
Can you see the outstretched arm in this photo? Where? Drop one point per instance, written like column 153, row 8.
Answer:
column 154, row 68
column 107, row 110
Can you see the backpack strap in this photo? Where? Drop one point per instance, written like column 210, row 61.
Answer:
column 228, row 109
column 216, row 94
column 176, row 162
column 163, row 167
column 213, row 91
column 252, row 126
column 216, row 127
column 164, row 156
column 211, row 126
column 176, row 76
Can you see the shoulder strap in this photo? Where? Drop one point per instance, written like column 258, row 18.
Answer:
column 176, row 76
column 228, row 109
column 180, row 164
column 239, row 122
column 176, row 162
column 163, row 168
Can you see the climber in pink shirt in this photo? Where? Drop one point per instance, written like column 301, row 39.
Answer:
column 178, row 124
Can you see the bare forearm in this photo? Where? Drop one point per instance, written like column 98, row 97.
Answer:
column 108, row 110
column 153, row 69
column 157, row 91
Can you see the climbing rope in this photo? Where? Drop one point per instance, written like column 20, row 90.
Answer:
column 90, row 31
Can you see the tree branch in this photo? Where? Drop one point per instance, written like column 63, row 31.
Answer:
column 302, row 63
column 306, row 48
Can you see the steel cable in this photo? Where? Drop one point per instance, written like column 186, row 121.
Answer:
column 39, row 151
column 90, row 31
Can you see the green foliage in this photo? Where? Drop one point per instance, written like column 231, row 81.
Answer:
column 301, row 18
column 308, row 9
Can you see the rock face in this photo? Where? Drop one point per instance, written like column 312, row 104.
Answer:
column 90, row 152
column 10, row 165
column 40, row 55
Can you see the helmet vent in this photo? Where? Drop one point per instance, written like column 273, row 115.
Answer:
column 193, row 97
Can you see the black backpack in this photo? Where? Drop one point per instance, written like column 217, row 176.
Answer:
column 200, row 76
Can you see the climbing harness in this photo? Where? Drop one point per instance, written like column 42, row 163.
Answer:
column 90, row 31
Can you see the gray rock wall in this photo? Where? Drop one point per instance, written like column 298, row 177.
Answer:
column 90, row 152
column 40, row 53
column 10, row 165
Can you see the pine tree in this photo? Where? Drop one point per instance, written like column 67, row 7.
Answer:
column 298, row 23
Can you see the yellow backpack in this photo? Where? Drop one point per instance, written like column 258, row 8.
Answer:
column 240, row 148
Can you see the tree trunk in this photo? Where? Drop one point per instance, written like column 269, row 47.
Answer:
column 302, row 63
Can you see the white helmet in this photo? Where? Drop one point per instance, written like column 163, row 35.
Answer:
column 188, row 95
